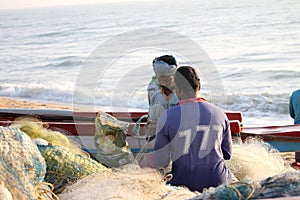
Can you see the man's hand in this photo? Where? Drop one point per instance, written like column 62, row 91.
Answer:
column 150, row 129
column 148, row 161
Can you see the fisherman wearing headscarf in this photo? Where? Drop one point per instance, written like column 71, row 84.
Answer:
column 164, row 68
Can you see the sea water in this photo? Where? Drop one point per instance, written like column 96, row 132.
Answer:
column 252, row 46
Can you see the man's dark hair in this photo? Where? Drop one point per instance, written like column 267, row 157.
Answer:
column 186, row 78
column 169, row 59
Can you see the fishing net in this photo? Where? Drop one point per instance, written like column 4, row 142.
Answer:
column 22, row 167
column 127, row 182
column 253, row 163
column 4, row 192
column 110, row 140
column 262, row 173
column 64, row 167
column 255, row 159
column 36, row 129
column 281, row 185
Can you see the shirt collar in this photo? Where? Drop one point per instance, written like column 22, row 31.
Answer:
column 192, row 100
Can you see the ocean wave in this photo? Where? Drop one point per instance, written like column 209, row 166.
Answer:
column 59, row 63
column 258, row 104
column 262, row 76
column 36, row 91
column 267, row 104
column 64, row 64
column 281, row 74
column 37, row 38
column 51, row 34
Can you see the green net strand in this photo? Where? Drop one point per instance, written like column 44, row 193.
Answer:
column 65, row 167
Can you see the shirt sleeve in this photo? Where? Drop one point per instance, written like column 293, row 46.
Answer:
column 153, row 87
column 227, row 142
column 292, row 111
column 162, row 144
column 156, row 107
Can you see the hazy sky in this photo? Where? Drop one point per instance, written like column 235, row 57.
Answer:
column 7, row 4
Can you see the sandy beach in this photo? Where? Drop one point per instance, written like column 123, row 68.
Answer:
column 13, row 103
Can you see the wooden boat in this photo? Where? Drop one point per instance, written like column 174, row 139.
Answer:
column 285, row 138
column 82, row 125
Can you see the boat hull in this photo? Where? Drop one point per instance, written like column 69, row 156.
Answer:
column 81, row 125
column 284, row 138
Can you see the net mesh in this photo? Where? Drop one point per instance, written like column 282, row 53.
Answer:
column 36, row 129
column 260, row 169
column 255, row 159
column 4, row 193
column 127, row 182
column 281, row 185
column 22, row 167
column 64, row 167
column 66, row 162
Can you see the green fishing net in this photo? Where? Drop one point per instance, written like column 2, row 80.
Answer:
column 64, row 167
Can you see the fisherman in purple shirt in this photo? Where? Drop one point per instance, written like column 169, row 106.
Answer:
column 195, row 135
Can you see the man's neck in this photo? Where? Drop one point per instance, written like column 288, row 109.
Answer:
column 189, row 95
column 192, row 100
column 166, row 90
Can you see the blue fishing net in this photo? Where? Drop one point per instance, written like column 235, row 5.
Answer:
column 22, row 166
column 281, row 185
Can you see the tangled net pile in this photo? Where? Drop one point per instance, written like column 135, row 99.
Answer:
column 281, row 185
column 253, row 163
column 22, row 167
column 255, row 159
column 260, row 169
column 65, row 167
column 66, row 162
column 129, row 182
column 36, row 129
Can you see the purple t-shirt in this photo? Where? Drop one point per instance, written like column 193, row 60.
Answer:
column 196, row 137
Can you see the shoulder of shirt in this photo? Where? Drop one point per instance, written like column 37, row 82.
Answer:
column 155, row 96
column 295, row 94
column 211, row 105
column 215, row 107
column 156, row 93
